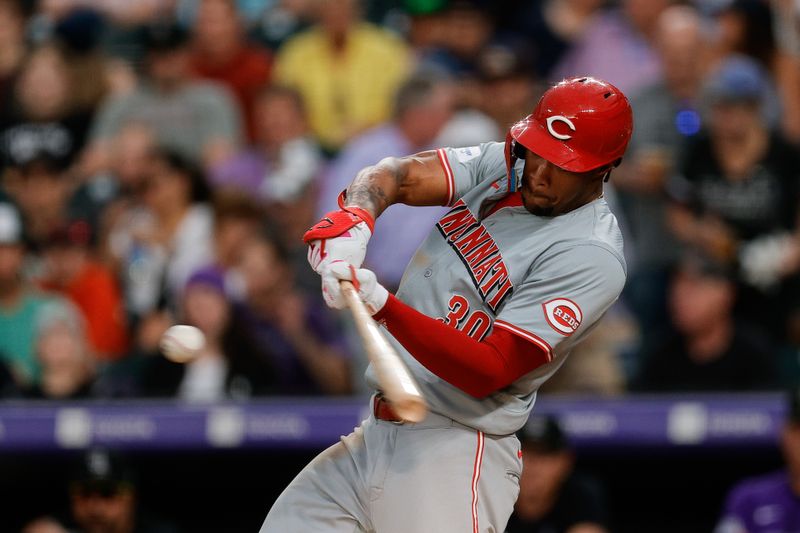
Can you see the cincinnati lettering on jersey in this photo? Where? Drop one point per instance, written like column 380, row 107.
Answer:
column 479, row 253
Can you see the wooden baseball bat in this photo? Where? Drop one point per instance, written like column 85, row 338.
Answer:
column 395, row 380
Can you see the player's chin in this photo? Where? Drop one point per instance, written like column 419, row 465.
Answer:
column 539, row 206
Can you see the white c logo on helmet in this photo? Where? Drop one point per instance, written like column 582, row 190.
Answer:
column 559, row 118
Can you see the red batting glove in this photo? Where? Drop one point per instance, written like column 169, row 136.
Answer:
column 340, row 236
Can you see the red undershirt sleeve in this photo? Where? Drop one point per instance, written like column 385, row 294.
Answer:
column 476, row 367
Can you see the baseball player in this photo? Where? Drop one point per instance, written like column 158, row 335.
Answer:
column 524, row 264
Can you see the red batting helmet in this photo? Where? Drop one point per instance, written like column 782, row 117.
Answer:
column 579, row 124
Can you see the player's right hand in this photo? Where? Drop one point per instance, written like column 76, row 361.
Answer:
column 339, row 236
column 372, row 293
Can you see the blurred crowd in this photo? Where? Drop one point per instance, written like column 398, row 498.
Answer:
column 161, row 159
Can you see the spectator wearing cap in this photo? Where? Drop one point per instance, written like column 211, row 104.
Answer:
column 104, row 498
column 508, row 85
column 222, row 53
column 736, row 194
column 769, row 503
column 766, row 32
column 706, row 349
column 198, row 119
column 231, row 364
column 553, row 496
column 346, row 70
column 49, row 195
column 71, row 270
column 465, row 27
column 20, row 303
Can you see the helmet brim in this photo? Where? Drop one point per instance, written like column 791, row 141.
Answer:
column 533, row 136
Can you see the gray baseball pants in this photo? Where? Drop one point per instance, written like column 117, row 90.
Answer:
column 437, row 476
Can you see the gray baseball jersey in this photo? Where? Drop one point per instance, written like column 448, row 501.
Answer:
column 546, row 279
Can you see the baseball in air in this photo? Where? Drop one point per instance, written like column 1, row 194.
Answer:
column 182, row 343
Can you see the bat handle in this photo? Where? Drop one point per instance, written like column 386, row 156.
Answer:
column 395, row 379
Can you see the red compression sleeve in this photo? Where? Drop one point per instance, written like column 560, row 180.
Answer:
column 476, row 367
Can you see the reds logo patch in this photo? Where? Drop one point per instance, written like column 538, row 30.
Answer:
column 563, row 315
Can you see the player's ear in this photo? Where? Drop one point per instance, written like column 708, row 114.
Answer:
column 607, row 175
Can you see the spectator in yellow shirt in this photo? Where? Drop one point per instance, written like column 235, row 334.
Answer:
column 346, row 70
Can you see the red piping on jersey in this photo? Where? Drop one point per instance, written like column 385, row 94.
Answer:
column 478, row 368
column 540, row 342
column 451, row 185
column 476, row 476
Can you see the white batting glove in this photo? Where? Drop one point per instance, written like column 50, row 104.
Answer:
column 350, row 247
column 372, row 293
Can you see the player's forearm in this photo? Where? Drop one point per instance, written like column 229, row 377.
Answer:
column 377, row 187
column 478, row 368
column 414, row 180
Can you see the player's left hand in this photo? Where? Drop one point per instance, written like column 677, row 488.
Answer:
column 372, row 293
column 340, row 235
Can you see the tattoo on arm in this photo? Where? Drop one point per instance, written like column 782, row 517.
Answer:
column 375, row 188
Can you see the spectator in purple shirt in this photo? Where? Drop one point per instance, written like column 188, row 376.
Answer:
column 617, row 46
column 770, row 503
column 308, row 352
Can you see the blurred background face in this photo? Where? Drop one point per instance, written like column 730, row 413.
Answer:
column 231, row 236
column 466, row 30
column 508, row 99
column 132, row 149
column 731, row 27
column 336, row 16
column 680, row 44
column 63, row 263
column 698, row 302
column 790, row 442
column 165, row 188
column 542, row 476
column 262, row 270
column 169, row 68
column 279, row 119
column 217, row 28
column 103, row 513
column 644, row 13
column 65, row 363
column 11, row 24
column 40, row 189
column 11, row 258
column 43, row 87
column 206, row 308
column 424, row 122
column 732, row 122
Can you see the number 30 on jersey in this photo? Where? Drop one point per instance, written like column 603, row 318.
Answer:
column 475, row 324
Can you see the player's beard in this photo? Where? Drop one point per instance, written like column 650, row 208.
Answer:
column 540, row 211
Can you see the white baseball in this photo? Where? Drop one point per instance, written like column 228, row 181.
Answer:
column 182, row 343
